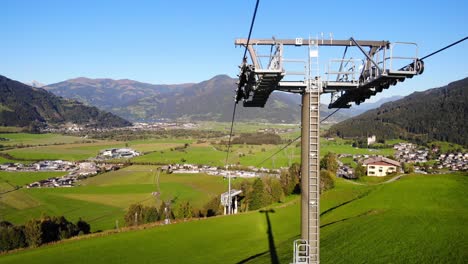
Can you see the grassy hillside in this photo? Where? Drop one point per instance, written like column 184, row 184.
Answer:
column 418, row 219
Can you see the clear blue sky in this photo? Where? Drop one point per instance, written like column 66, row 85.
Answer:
column 191, row 41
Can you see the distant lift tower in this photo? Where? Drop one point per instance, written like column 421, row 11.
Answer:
column 349, row 80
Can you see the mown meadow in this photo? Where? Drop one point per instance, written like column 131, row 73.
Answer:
column 417, row 219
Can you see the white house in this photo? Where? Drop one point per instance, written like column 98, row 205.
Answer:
column 381, row 166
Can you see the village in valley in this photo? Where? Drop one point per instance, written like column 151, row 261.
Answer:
column 76, row 170
column 423, row 160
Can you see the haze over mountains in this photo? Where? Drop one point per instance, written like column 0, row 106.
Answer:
column 22, row 105
column 208, row 100
column 434, row 114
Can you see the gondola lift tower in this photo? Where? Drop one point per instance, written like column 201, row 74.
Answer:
column 348, row 80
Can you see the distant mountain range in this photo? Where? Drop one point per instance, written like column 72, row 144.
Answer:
column 435, row 114
column 208, row 100
column 23, row 105
column 35, row 84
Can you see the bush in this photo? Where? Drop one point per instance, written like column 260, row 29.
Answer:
column 259, row 198
column 138, row 214
column 11, row 236
column 184, row 210
column 213, row 207
column 329, row 162
column 33, row 233
column 276, row 190
column 360, row 170
column 290, row 179
column 83, row 227
column 326, row 180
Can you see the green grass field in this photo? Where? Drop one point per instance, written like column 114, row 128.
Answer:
column 4, row 160
column 243, row 127
column 208, row 155
column 71, row 152
column 418, row 219
column 23, row 178
column 373, row 179
column 341, row 146
column 160, row 150
column 103, row 199
column 37, row 139
column 81, row 151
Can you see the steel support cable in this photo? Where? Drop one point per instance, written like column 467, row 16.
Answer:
column 444, row 48
column 243, row 59
column 330, row 115
column 230, row 134
column 279, row 150
column 251, row 27
column 294, row 140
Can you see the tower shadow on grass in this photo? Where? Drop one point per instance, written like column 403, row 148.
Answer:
column 271, row 242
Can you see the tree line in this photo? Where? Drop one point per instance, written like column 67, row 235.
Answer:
column 39, row 231
column 256, row 194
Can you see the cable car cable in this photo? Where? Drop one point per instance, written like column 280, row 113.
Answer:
column 235, row 103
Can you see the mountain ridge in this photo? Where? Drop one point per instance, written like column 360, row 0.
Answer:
column 207, row 100
column 23, row 105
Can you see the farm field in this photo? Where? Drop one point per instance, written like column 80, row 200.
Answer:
column 243, row 127
column 5, row 160
column 38, row 139
column 103, row 199
column 342, row 146
column 163, row 151
column 22, row 178
column 206, row 154
column 82, row 151
column 72, row 152
column 417, row 219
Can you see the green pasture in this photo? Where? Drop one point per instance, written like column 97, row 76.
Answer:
column 71, row 152
column 209, row 155
column 417, row 219
column 155, row 145
column 103, row 199
column 345, row 147
column 348, row 160
column 374, row 179
column 447, row 146
column 242, row 127
column 38, row 139
column 82, row 151
column 23, row 178
column 5, row 160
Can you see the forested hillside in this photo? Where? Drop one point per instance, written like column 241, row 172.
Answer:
column 435, row 114
column 22, row 105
